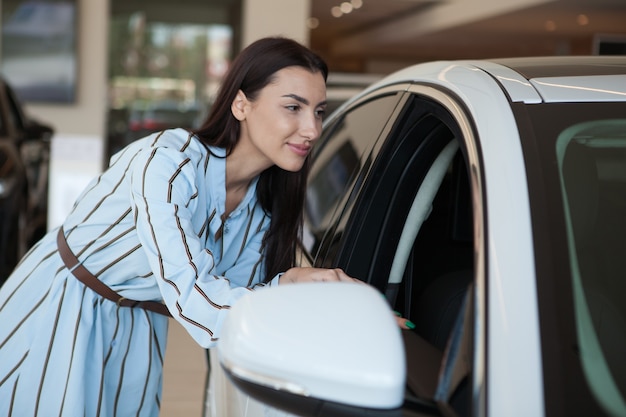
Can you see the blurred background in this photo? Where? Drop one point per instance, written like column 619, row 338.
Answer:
column 81, row 79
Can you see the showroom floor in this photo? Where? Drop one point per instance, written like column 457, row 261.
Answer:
column 183, row 375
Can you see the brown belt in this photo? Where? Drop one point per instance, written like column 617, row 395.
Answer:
column 83, row 275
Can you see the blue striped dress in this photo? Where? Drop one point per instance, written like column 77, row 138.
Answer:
column 151, row 228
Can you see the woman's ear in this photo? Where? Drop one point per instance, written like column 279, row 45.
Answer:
column 238, row 106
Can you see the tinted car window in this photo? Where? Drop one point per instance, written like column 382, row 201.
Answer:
column 341, row 159
column 592, row 157
column 415, row 185
column 575, row 156
column 418, row 134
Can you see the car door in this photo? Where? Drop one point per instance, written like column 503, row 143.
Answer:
column 406, row 226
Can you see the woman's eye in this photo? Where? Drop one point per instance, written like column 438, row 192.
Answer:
column 320, row 113
column 293, row 107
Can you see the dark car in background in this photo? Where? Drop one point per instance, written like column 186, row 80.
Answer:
column 24, row 169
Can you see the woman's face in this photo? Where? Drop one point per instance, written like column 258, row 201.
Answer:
column 281, row 126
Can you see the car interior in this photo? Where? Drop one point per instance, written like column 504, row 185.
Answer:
column 431, row 273
column 400, row 218
column 417, row 209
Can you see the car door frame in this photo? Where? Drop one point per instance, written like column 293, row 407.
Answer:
column 357, row 235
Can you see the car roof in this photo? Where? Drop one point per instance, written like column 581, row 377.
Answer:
column 529, row 80
column 565, row 66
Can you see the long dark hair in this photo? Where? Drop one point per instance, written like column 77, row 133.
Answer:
column 281, row 193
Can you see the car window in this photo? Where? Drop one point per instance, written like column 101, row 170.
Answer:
column 575, row 157
column 410, row 234
column 341, row 159
column 592, row 156
column 373, row 230
column 431, row 266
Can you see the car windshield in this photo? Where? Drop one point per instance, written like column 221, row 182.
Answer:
column 578, row 197
column 592, row 165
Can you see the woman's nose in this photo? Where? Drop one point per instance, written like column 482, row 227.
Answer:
column 311, row 127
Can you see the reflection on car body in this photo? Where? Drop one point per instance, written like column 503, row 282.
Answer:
column 487, row 204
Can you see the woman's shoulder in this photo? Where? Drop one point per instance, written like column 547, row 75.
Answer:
column 176, row 138
column 176, row 144
column 184, row 141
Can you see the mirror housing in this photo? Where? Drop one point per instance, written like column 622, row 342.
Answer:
column 316, row 349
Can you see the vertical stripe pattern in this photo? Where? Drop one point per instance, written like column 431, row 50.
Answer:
column 147, row 228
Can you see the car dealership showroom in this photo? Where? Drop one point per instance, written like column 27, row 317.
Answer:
column 470, row 170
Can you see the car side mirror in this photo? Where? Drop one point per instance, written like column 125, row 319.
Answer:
column 331, row 349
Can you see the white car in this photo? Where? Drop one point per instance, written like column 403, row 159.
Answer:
column 486, row 202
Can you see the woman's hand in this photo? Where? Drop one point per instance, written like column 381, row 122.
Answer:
column 405, row 324
column 308, row 274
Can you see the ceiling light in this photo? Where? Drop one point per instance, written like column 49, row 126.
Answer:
column 312, row 22
column 336, row 11
column 357, row 4
column 582, row 20
column 346, row 7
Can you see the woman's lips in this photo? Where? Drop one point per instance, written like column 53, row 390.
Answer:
column 300, row 150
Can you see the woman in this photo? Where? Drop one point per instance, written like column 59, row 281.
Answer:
column 182, row 224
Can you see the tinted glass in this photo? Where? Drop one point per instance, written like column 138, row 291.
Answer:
column 328, row 185
column 592, row 163
column 407, row 235
column 342, row 157
column 576, row 167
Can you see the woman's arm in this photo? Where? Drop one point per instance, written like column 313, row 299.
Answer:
column 165, row 196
